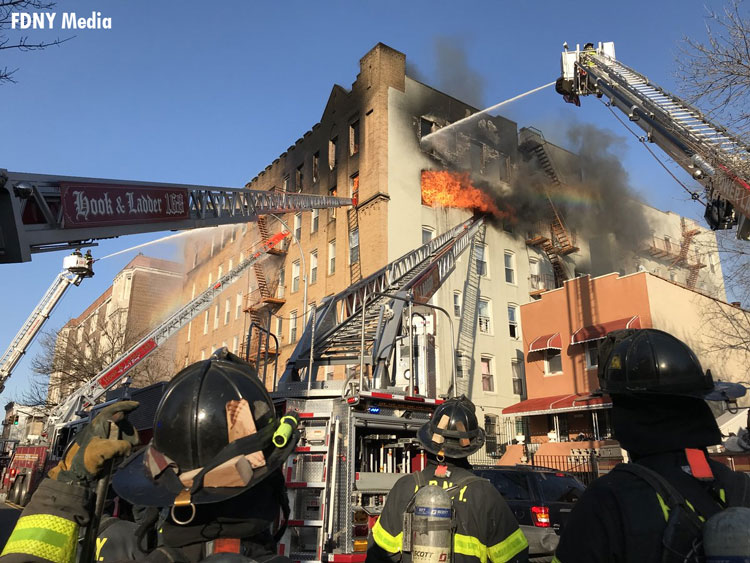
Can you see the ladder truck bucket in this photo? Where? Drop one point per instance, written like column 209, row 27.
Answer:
column 79, row 265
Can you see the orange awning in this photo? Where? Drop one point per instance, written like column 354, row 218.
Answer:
column 558, row 404
column 598, row 331
column 546, row 342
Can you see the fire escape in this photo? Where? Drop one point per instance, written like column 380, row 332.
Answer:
column 355, row 262
column 257, row 347
column 558, row 242
column 663, row 248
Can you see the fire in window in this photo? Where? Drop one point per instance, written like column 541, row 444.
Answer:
column 354, row 188
column 354, row 138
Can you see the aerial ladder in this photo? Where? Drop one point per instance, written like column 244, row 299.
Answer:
column 40, row 213
column 712, row 155
column 358, row 433
column 76, row 267
column 90, row 392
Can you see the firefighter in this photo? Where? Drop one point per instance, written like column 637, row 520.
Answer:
column 207, row 487
column 483, row 527
column 652, row 509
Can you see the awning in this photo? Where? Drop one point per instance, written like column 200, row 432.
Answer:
column 598, row 331
column 558, row 404
column 546, row 342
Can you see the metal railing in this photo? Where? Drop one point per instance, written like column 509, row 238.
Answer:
column 485, row 325
column 541, row 281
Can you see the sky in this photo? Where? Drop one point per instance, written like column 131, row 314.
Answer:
column 212, row 92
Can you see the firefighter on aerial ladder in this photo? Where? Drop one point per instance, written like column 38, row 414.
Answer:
column 208, row 487
column 478, row 524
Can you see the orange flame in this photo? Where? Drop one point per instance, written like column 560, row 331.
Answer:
column 454, row 189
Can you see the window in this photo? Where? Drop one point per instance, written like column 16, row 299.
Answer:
column 238, row 306
column 233, row 236
column 298, row 225
column 488, row 380
column 190, row 330
column 205, row 324
column 216, row 317
column 354, row 138
column 231, row 265
column 516, row 369
column 332, row 153
column 221, row 271
column 510, row 267
column 285, row 184
column 316, row 167
column 203, row 354
column 299, row 177
column 279, row 327
column 280, row 287
column 331, row 257
column 480, row 256
column 354, row 246
column 333, row 192
column 535, row 280
column 485, row 319
column 492, row 434
column 227, row 311
column 552, row 362
column 592, row 354
column 314, row 219
column 476, row 156
column 426, row 127
column 354, row 187
column 513, row 321
column 212, row 245
column 210, row 279
column 192, row 293
column 293, row 326
column 242, row 257
column 235, row 345
column 667, row 244
column 427, row 233
column 295, row 276
column 313, row 266
column 456, row 303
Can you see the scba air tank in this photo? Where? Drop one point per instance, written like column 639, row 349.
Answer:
column 432, row 526
column 726, row 536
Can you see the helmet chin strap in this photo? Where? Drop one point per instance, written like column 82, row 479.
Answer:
column 442, row 468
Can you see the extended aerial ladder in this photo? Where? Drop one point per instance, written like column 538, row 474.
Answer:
column 711, row 154
column 40, row 213
column 76, row 267
column 91, row 391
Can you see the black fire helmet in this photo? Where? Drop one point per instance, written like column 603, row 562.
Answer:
column 191, row 436
column 453, row 430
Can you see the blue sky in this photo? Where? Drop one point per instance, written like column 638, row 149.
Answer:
column 212, row 92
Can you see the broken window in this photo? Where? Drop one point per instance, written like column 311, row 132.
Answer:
column 426, row 127
column 354, row 138
column 315, row 167
column 332, row 153
column 476, row 156
column 298, row 178
column 354, row 187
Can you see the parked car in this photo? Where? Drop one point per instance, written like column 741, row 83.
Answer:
column 541, row 500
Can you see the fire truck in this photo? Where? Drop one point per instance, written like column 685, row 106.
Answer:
column 712, row 155
column 359, row 432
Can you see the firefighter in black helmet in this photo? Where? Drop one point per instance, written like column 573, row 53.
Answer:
column 483, row 528
column 207, row 487
column 652, row 509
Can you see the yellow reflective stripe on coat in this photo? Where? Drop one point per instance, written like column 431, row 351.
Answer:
column 555, row 560
column 664, row 507
column 390, row 543
column 508, row 548
column 501, row 552
column 45, row 536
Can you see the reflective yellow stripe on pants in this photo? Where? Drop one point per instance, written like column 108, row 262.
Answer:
column 390, row 543
column 501, row 552
column 44, row 536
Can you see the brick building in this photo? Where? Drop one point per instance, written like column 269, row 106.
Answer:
column 562, row 331
column 140, row 296
column 369, row 145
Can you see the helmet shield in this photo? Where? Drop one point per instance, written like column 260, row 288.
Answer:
column 213, row 437
column 653, row 361
column 453, row 430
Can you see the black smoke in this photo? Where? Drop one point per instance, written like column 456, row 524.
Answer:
column 454, row 74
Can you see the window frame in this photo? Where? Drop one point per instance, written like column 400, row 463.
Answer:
column 458, row 304
column 293, row 326
column 513, row 325
column 512, row 268
column 488, row 317
column 331, row 257
column 587, row 349
column 547, row 370
column 490, row 366
column 484, row 260
column 313, row 266
column 516, row 362
column 295, row 278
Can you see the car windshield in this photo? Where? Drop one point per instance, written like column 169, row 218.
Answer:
column 557, row 487
column 513, row 485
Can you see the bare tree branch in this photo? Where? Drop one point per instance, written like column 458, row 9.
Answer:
column 23, row 44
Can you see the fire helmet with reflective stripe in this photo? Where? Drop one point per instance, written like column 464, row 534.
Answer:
column 453, row 430
column 216, row 434
column 655, row 362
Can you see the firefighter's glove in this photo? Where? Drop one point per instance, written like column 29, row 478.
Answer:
column 86, row 457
